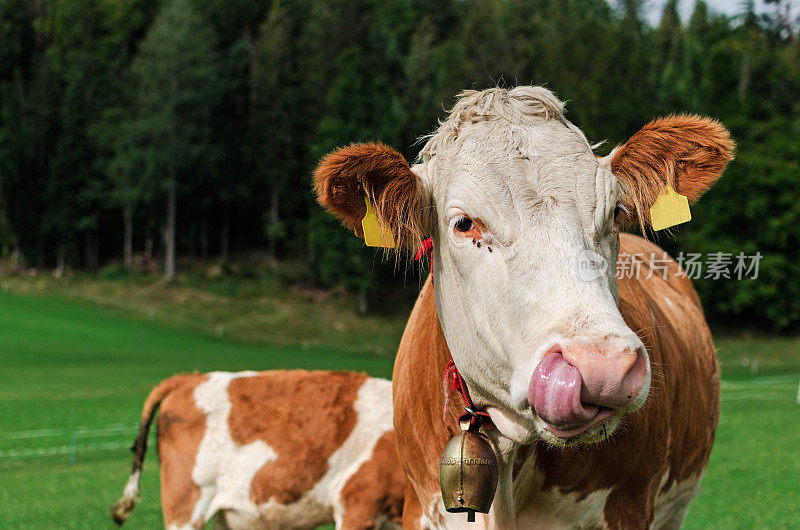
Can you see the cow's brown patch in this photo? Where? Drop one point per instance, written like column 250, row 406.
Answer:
column 303, row 416
column 672, row 434
column 177, row 449
column 377, row 488
column 347, row 175
column 688, row 152
column 418, row 400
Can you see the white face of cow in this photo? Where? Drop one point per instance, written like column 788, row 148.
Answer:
column 520, row 210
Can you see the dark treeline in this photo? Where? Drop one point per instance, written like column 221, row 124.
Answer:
column 137, row 129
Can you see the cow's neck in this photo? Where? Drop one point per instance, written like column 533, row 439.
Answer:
column 502, row 511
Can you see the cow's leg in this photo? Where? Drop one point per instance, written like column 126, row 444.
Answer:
column 356, row 516
column 630, row 505
column 362, row 505
column 220, row 523
column 364, row 514
column 673, row 519
column 372, row 496
column 181, row 426
column 412, row 509
column 179, row 493
column 672, row 505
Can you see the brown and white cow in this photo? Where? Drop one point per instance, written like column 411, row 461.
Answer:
column 276, row 449
column 604, row 393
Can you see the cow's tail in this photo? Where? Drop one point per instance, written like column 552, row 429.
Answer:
column 124, row 506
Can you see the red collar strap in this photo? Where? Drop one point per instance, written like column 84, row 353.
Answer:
column 426, row 249
column 451, row 378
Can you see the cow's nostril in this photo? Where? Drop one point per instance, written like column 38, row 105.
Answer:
column 635, row 379
column 611, row 377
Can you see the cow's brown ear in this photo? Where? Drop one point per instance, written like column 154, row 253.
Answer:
column 686, row 152
column 346, row 176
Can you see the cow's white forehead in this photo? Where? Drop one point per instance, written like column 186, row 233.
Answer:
column 497, row 126
column 548, row 148
column 501, row 146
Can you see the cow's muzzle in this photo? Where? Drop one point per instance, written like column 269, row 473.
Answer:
column 578, row 386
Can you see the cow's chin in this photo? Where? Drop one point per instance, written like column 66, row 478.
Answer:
column 598, row 429
column 525, row 428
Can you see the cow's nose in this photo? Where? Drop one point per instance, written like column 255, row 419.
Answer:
column 612, row 377
column 574, row 383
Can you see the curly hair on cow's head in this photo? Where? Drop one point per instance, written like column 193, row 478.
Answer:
column 522, row 105
column 378, row 172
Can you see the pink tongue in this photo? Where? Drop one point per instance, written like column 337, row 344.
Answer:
column 555, row 394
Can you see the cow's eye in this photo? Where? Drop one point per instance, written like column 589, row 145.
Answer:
column 464, row 227
column 464, row 224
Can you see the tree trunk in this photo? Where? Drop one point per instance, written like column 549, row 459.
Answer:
column 16, row 254
column 169, row 229
column 224, row 238
column 148, row 247
column 127, row 250
column 91, row 250
column 311, row 250
column 61, row 264
column 40, row 259
column 150, row 238
column 361, row 301
column 204, row 238
column 16, row 257
column 744, row 77
column 274, row 219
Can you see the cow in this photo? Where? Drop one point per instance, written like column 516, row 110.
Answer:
column 602, row 393
column 289, row 449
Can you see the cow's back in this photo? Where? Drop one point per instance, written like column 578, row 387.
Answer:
column 287, row 448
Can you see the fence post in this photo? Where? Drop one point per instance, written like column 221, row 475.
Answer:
column 798, row 393
column 73, row 449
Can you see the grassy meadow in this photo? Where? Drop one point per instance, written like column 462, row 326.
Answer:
column 78, row 358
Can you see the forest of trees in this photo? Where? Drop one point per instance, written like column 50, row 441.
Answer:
column 148, row 128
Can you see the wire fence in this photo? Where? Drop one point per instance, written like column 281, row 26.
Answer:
column 51, row 442
column 776, row 387
column 38, row 443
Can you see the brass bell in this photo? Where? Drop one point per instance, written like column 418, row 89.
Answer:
column 468, row 473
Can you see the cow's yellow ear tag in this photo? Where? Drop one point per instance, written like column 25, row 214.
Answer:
column 375, row 234
column 670, row 209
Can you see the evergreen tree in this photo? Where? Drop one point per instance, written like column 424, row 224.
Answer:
column 229, row 104
column 28, row 119
column 125, row 185
column 85, row 87
column 671, row 61
column 420, row 96
column 176, row 92
column 271, row 128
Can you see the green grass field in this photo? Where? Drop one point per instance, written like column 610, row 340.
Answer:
column 73, row 369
